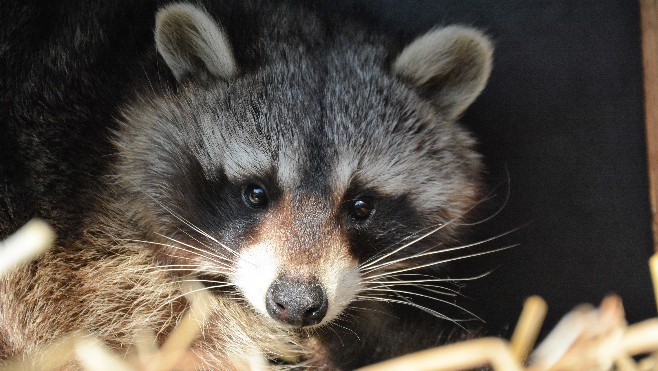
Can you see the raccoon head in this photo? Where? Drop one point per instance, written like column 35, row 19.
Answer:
column 301, row 183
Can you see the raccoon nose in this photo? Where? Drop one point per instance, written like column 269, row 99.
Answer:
column 296, row 303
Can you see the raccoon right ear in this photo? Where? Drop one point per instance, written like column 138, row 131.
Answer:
column 448, row 65
column 192, row 44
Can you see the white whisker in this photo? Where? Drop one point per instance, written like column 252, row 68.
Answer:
column 194, row 238
column 401, row 292
column 442, row 251
column 442, row 261
column 401, row 240
column 365, row 266
column 428, row 287
column 412, row 304
column 197, row 252
column 192, row 226
column 203, row 251
column 204, row 281
column 433, row 279
column 368, row 263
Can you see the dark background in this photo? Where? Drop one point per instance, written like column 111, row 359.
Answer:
column 561, row 125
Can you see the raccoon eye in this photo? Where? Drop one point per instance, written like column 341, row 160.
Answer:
column 254, row 196
column 362, row 208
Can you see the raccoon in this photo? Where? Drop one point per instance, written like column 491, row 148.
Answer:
column 305, row 167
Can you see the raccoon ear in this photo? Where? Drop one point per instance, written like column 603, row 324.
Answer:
column 192, row 44
column 449, row 65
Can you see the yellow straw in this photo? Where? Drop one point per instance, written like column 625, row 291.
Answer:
column 653, row 266
column 527, row 328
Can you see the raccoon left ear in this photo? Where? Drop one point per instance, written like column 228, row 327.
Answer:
column 192, row 44
column 450, row 65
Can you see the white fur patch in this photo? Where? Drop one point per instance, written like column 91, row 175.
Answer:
column 341, row 281
column 256, row 269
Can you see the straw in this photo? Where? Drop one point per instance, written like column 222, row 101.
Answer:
column 25, row 244
column 527, row 328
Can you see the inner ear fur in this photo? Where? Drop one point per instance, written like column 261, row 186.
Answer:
column 449, row 65
column 192, row 44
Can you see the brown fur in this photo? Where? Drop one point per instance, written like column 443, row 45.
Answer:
column 303, row 244
column 112, row 289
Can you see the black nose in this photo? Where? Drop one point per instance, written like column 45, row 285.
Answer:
column 296, row 302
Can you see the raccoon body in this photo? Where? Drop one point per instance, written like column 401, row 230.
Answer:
column 297, row 164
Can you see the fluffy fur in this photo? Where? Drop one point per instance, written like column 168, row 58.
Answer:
column 308, row 108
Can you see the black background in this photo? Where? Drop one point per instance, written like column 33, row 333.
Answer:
column 561, row 125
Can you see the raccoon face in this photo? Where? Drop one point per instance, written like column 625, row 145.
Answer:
column 299, row 183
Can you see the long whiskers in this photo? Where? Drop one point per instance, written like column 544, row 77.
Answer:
column 206, row 253
column 196, row 251
column 184, row 268
column 409, row 303
column 428, row 284
column 192, row 226
column 385, row 282
column 370, row 268
column 443, row 261
column 436, row 229
column 432, row 279
column 422, row 237
column 441, row 290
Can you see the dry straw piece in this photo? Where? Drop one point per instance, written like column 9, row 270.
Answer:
column 527, row 330
column 27, row 243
